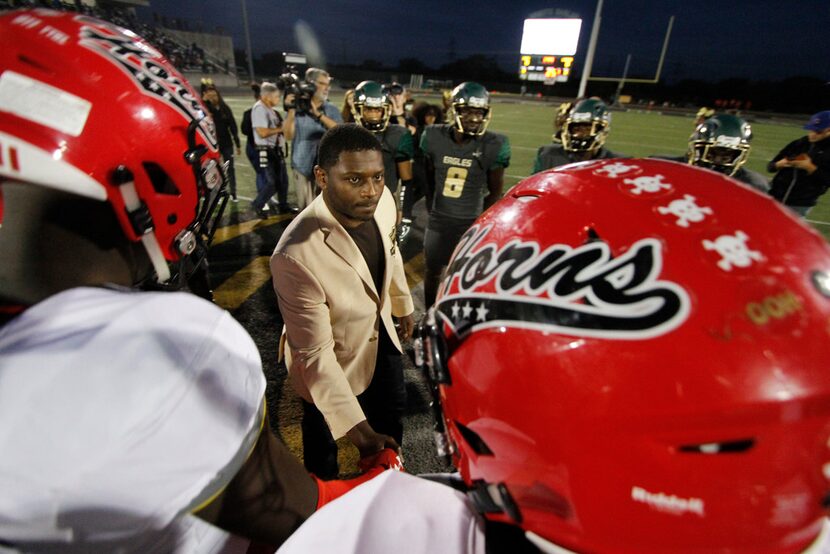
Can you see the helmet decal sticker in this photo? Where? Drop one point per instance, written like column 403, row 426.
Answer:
column 686, row 210
column 647, row 183
column 733, row 251
column 581, row 290
column 43, row 104
column 140, row 61
column 614, row 170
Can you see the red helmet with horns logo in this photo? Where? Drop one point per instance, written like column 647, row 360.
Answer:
column 632, row 356
column 91, row 109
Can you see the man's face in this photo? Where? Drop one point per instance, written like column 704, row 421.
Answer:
column 271, row 99
column 372, row 115
column 471, row 118
column 723, row 156
column 815, row 136
column 323, row 83
column 580, row 130
column 352, row 187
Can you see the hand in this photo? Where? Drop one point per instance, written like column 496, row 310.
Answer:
column 782, row 163
column 315, row 111
column 406, row 325
column 397, row 104
column 368, row 442
column 803, row 162
column 289, row 101
column 371, row 466
column 385, row 459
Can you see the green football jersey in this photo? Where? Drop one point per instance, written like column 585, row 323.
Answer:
column 461, row 169
column 397, row 144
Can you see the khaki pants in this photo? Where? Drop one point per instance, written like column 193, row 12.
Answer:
column 306, row 189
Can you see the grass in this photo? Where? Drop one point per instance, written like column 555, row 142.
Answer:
column 635, row 134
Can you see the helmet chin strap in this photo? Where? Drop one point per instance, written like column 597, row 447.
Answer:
column 142, row 223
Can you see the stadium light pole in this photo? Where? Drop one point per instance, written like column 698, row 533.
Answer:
column 592, row 46
column 248, row 42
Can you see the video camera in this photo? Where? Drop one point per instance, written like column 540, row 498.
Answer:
column 291, row 83
column 393, row 89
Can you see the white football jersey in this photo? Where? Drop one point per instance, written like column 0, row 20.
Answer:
column 120, row 412
column 394, row 512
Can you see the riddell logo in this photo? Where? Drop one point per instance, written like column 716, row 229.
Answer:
column 8, row 158
column 671, row 504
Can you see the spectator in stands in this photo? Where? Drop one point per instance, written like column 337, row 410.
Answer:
column 226, row 132
column 802, row 168
column 305, row 129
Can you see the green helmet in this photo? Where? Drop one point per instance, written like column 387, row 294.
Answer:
column 720, row 143
column 369, row 94
column 559, row 120
column 586, row 126
column 467, row 96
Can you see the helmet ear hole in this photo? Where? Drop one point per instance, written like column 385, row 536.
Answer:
column 161, row 181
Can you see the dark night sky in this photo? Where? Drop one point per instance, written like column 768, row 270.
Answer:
column 712, row 39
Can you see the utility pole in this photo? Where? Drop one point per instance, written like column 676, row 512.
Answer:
column 252, row 77
column 592, row 46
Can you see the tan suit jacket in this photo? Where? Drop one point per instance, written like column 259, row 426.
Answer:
column 332, row 311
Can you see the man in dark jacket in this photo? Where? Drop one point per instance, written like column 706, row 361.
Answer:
column 225, row 130
column 803, row 167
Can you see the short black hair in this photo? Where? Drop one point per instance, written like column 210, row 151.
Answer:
column 345, row 138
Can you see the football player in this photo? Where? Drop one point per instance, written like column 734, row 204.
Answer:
column 465, row 166
column 559, row 120
column 722, row 143
column 582, row 136
column 130, row 421
column 652, row 383
column 372, row 109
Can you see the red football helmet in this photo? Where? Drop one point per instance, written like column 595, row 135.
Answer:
column 632, row 356
column 89, row 108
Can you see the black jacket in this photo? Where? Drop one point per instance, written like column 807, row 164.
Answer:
column 225, row 124
column 799, row 188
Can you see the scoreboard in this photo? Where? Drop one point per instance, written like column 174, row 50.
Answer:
column 549, row 69
column 548, row 49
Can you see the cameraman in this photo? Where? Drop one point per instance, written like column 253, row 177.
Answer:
column 305, row 128
column 267, row 128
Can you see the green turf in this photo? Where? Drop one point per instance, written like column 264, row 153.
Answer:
column 529, row 125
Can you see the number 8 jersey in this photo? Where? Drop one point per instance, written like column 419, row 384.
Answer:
column 461, row 169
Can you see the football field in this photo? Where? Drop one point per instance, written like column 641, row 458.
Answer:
column 242, row 247
column 528, row 124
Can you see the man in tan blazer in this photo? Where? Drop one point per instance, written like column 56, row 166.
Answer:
column 339, row 278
